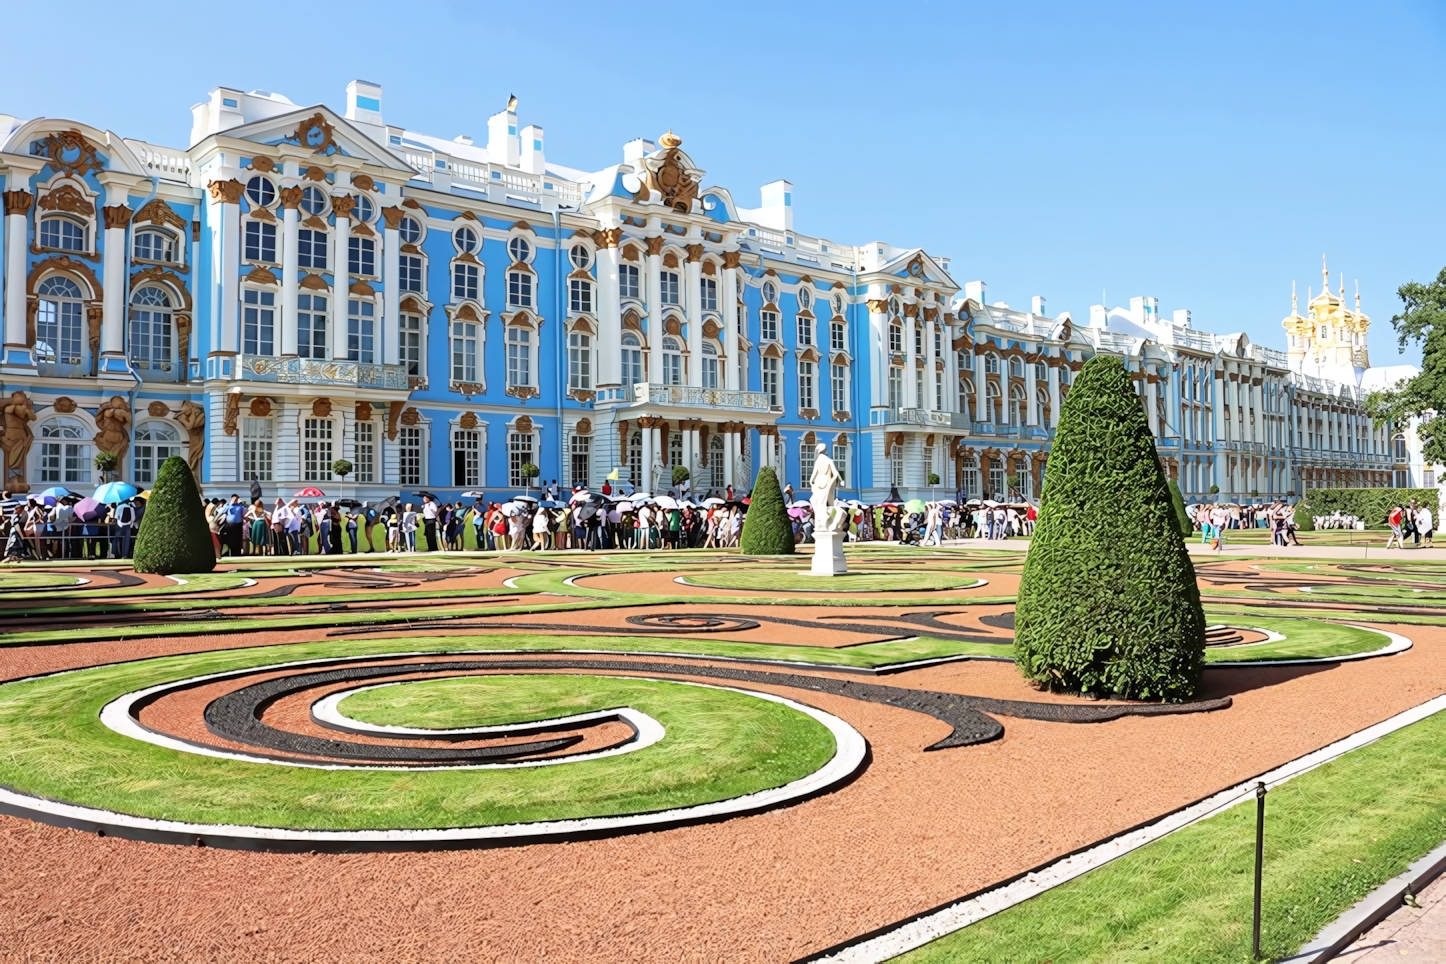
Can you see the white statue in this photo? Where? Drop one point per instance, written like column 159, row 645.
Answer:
column 828, row 519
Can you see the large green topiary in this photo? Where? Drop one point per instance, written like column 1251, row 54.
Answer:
column 1108, row 602
column 766, row 529
column 1182, row 518
column 174, row 536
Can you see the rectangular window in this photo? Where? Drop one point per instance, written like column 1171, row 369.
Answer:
column 519, row 453
column 311, row 248
column 805, row 385
column 409, row 455
column 919, row 387
column 805, row 332
column 361, row 331
column 366, row 452
column 410, row 333
column 464, row 281
column 710, row 294
column 311, row 326
column 260, row 244
column 519, row 357
column 579, row 360
column 58, row 331
column 841, row 459
column 361, row 256
column 837, row 336
column 63, row 234
column 938, row 390
column 579, row 295
column 258, row 323
column 581, row 459
column 256, row 449
column 464, row 351
column 519, row 289
column 996, row 481
column 896, row 387
column 668, row 281
column 466, row 457
column 772, row 384
column 64, row 462
column 154, row 246
column 628, row 281
column 710, row 370
column 840, row 388
column 768, row 322
column 918, row 341
column 410, row 271
column 317, row 452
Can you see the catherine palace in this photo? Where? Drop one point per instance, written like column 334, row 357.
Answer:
column 299, row 286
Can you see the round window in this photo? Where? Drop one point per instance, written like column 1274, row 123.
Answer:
column 770, row 293
column 519, row 249
column 410, row 231
column 466, row 240
column 804, row 298
column 581, row 257
column 260, row 191
column 313, row 201
column 365, row 210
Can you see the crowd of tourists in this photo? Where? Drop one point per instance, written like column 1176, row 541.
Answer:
column 1214, row 521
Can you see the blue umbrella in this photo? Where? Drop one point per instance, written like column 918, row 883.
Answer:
column 113, row 492
column 56, row 492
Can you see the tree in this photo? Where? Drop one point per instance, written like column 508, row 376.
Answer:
column 1423, row 320
column 766, row 529
column 174, row 536
column 1182, row 518
column 680, row 474
column 1108, row 603
column 341, row 468
column 528, row 471
column 106, row 463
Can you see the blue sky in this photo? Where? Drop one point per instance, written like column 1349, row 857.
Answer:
column 1206, row 154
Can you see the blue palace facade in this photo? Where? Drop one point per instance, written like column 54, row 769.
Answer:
column 301, row 286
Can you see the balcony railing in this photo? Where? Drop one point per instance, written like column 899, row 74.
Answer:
column 307, row 371
column 954, row 421
column 694, row 397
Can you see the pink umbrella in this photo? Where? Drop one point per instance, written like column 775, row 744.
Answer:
column 310, row 492
column 88, row 510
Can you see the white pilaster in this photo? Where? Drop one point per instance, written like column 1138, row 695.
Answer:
column 341, row 266
column 911, row 363
column 290, row 265
column 1031, row 403
column 391, row 295
column 1053, row 375
column 731, row 347
column 17, row 353
column 693, row 300
column 610, row 318
column 982, row 412
column 655, row 315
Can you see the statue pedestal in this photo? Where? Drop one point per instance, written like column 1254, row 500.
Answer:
column 828, row 557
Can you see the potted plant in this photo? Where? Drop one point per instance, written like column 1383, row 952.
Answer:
column 106, row 463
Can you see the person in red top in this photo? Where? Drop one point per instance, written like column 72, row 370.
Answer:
column 1394, row 519
column 1030, row 516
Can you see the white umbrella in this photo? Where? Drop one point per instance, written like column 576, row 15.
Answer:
column 624, row 507
column 524, row 498
column 800, row 504
column 581, row 495
column 667, row 502
column 713, row 502
column 511, row 509
column 640, row 495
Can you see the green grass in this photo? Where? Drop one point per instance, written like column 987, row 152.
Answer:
column 195, row 582
column 1332, row 836
column 1304, row 639
column 719, row 744
column 15, row 580
column 794, row 580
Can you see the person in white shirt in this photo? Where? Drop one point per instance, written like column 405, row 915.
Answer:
column 429, row 523
column 1424, row 525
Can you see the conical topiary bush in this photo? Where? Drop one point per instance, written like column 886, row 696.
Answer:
column 766, row 529
column 1182, row 518
column 174, row 536
column 1108, row 602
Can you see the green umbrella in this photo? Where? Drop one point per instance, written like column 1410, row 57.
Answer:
column 915, row 505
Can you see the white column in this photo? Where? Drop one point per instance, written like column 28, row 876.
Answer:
column 1053, row 374
column 113, row 279
column 655, row 310
column 610, row 317
column 227, row 335
column 1031, row 404
column 930, row 369
column 1152, row 408
column 341, row 266
column 693, row 300
column 730, row 452
column 951, row 371
column 660, row 457
column 879, row 344
column 290, row 264
column 17, row 206
column 911, row 364
column 391, row 290
column 731, row 347
column 981, row 391
column 642, row 483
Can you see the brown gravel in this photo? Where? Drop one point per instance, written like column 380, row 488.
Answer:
column 915, row 830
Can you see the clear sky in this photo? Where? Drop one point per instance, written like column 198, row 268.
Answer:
column 1206, row 154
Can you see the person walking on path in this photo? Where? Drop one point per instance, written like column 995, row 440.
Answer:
column 429, row 523
column 1424, row 525
column 1394, row 521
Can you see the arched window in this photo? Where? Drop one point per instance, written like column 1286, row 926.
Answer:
column 151, row 329
column 804, row 299
column 635, row 458
column 58, row 322
column 991, row 364
column 1016, row 405
column 155, row 442
column 361, row 330
column 364, row 211
column 519, row 356
column 992, row 397
column 1041, row 401
column 1016, row 367
column 896, row 464
column 579, row 359
column 839, row 387
column 770, row 293
column 64, row 456
column 313, row 200
column 710, row 365
column 260, row 191
column 966, row 396
column 466, row 240
column 672, row 361
column 62, row 234
column 520, row 250
column 409, row 230
column 715, row 461
column 581, row 257
column 633, row 371
column 153, row 244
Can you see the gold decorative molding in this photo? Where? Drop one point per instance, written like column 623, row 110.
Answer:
column 291, row 196
column 655, row 245
column 226, row 192
column 62, row 263
column 583, row 427
column 392, row 216
column 258, row 213
column 156, row 211
column 314, row 282
column 523, row 392
column 362, row 289
column 321, row 408
column 523, row 425
column 71, row 142
column 695, row 252
column 116, row 217
column 157, row 409
column 316, row 133
column 69, row 200
column 260, row 407
column 878, row 306
column 315, row 223
column 157, row 273
column 364, row 182
column 732, row 258
column 362, row 230
column 262, row 276
column 608, row 237
column 394, row 415
column 343, row 204
column 466, row 388
column 65, row 405
column 317, row 174
column 233, row 409
column 18, row 202
column 468, row 420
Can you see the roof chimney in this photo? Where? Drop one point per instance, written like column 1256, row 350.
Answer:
column 636, row 148
column 503, row 146
column 364, row 102
column 1036, row 305
column 974, row 291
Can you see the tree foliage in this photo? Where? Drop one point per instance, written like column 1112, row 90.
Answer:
column 174, row 536
column 766, row 528
column 1108, row 602
column 1423, row 320
column 1182, row 518
column 1371, row 506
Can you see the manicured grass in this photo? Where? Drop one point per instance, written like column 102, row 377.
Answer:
column 16, row 580
column 195, row 582
column 1304, row 639
column 1332, row 836
column 719, row 744
column 794, row 580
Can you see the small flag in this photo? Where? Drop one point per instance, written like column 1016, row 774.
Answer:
column 613, row 475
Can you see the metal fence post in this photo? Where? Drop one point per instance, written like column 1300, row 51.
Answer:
column 1259, row 859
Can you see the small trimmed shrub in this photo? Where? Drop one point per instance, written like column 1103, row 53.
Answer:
column 341, row 468
column 1182, row 518
column 680, row 474
column 933, row 478
column 1371, row 506
column 106, row 463
column 1108, row 603
column 174, row 536
column 766, row 529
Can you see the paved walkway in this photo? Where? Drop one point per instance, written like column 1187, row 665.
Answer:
column 1374, row 552
column 1415, row 934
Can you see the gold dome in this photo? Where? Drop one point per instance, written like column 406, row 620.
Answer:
column 670, row 140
